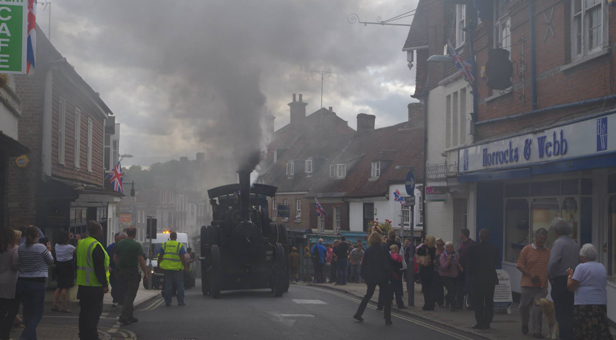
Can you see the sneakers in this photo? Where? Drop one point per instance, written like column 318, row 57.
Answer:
column 524, row 329
column 358, row 318
column 133, row 319
column 388, row 322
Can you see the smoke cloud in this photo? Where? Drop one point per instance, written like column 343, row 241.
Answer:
column 192, row 75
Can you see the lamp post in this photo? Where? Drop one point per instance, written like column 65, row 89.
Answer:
column 410, row 268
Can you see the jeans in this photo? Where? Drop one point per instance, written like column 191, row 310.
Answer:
column 171, row 277
column 427, row 287
column 32, row 294
column 319, row 272
column 396, row 287
column 355, row 271
column 6, row 320
column 333, row 277
column 117, row 292
column 527, row 303
column 450, row 284
column 383, row 287
column 342, row 271
column 91, row 307
column 130, row 283
column 563, row 307
column 438, row 295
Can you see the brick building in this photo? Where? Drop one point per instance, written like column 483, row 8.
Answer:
column 63, row 124
column 531, row 150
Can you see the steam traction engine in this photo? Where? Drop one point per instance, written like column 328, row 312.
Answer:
column 242, row 249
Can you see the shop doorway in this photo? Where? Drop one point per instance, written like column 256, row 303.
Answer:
column 459, row 218
column 368, row 215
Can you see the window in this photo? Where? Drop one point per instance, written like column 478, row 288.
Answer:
column 274, row 209
column 455, row 119
column 77, row 156
column 502, row 26
column 62, row 131
column 308, row 166
column 337, row 220
column 420, row 209
column 341, row 170
column 89, row 144
column 460, row 25
column 107, row 156
column 298, row 209
column 376, row 169
column 286, row 204
column 406, row 213
column 116, row 152
column 587, row 27
column 290, row 168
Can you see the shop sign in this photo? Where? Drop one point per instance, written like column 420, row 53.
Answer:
column 22, row 161
column 125, row 218
column 433, row 195
column 502, row 291
column 13, row 36
column 585, row 138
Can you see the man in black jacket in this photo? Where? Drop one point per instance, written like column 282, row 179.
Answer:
column 483, row 258
column 376, row 270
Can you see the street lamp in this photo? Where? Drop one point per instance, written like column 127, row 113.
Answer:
column 126, row 155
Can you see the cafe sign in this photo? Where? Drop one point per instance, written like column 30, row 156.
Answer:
column 586, row 138
column 13, row 36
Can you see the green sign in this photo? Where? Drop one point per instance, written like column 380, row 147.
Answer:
column 13, row 36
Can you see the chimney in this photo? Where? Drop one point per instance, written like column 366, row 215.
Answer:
column 269, row 123
column 183, row 159
column 416, row 114
column 200, row 157
column 331, row 109
column 298, row 110
column 365, row 122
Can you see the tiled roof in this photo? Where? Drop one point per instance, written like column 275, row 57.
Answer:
column 392, row 146
column 418, row 33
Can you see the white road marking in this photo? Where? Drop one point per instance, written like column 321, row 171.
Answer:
column 309, row 302
column 297, row 315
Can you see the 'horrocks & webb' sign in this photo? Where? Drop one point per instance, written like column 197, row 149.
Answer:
column 586, row 138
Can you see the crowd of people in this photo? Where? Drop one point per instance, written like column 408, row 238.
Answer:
column 467, row 277
column 337, row 263
column 26, row 257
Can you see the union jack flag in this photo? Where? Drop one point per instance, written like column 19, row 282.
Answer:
column 31, row 56
column 465, row 67
column 398, row 197
column 115, row 177
column 320, row 211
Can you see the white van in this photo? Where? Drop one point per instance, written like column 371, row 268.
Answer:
column 157, row 276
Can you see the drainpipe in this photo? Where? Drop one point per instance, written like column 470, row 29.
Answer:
column 470, row 31
column 533, row 68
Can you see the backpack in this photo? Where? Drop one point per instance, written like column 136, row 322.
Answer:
column 316, row 254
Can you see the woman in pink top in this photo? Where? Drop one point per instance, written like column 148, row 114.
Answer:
column 449, row 272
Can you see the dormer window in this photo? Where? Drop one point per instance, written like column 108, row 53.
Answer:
column 290, row 168
column 337, row 171
column 308, row 165
column 375, row 171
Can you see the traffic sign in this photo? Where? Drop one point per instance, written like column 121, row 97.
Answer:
column 409, row 183
column 410, row 201
column 22, row 161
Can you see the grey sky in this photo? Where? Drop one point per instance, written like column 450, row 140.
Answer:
column 183, row 75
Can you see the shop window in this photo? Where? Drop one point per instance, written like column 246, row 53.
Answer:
column 570, row 212
column 586, row 186
column 611, row 183
column 517, row 190
column 516, row 228
column 550, row 188
column 586, row 221
column 543, row 212
column 611, row 244
column 570, row 186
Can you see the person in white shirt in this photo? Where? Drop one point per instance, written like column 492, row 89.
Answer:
column 65, row 271
column 588, row 282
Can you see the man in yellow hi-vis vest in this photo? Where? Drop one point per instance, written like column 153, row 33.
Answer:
column 92, row 278
column 171, row 259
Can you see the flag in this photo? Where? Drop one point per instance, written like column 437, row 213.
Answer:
column 398, row 197
column 31, row 56
column 115, row 177
column 320, row 211
column 465, row 67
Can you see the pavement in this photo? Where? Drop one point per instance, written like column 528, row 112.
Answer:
column 64, row 326
column 504, row 326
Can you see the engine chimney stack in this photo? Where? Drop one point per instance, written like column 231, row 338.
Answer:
column 244, row 176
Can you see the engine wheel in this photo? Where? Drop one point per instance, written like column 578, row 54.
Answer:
column 215, row 273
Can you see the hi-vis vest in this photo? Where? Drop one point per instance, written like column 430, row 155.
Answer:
column 85, row 265
column 171, row 256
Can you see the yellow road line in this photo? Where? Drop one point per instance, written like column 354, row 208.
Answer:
column 417, row 322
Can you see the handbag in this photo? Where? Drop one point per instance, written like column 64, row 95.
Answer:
column 404, row 266
column 423, row 260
